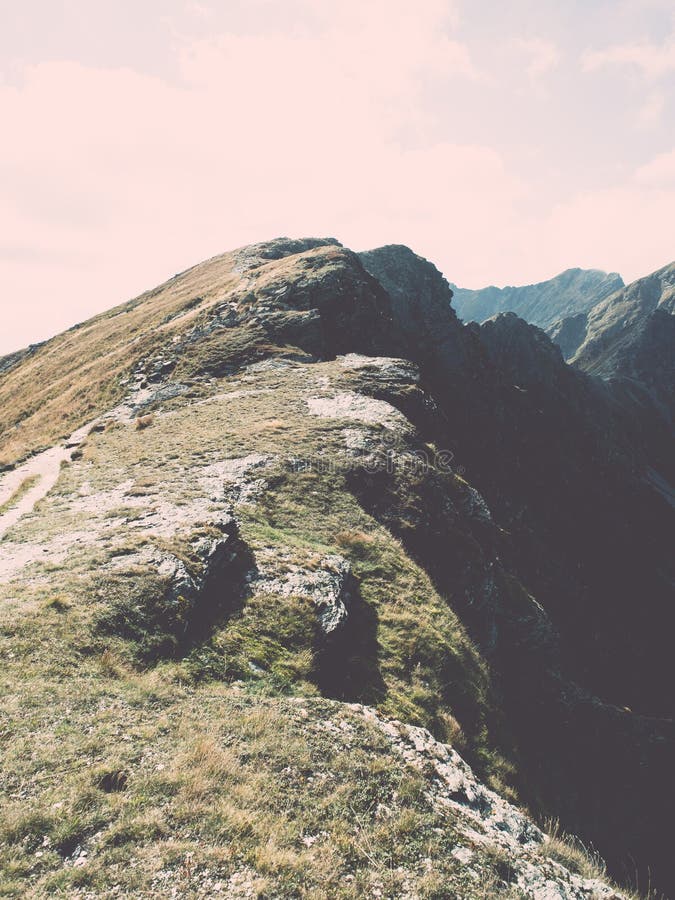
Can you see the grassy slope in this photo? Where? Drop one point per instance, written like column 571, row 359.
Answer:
column 187, row 741
column 161, row 772
column 79, row 374
column 75, row 376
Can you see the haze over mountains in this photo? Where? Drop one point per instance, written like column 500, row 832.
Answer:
column 573, row 291
column 298, row 496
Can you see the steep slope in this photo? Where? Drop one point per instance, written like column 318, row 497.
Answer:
column 566, row 468
column 570, row 293
column 630, row 335
column 264, row 498
column 553, row 452
column 569, row 333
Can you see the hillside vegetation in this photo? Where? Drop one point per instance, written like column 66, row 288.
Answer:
column 285, row 549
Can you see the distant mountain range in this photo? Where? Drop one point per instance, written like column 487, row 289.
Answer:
column 573, row 291
column 602, row 326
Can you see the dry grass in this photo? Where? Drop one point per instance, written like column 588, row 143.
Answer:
column 81, row 373
column 408, row 653
column 137, row 784
column 193, row 772
column 357, row 543
column 572, row 853
column 20, row 492
column 77, row 375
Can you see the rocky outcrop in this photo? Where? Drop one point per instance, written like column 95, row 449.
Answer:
column 630, row 336
column 568, row 294
column 181, row 597
column 569, row 333
column 295, row 297
column 327, row 586
column 487, row 823
column 255, row 255
column 426, row 325
column 523, row 351
column 13, row 359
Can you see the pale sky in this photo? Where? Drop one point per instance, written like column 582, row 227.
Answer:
column 504, row 141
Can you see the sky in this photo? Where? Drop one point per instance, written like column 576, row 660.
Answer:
column 503, row 141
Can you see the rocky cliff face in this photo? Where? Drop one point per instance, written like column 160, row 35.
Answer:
column 572, row 292
column 569, row 333
column 296, row 472
column 630, row 336
column 558, row 459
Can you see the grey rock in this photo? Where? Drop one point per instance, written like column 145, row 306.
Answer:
column 420, row 305
column 216, row 556
column 521, row 349
column 13, row 359
column 486, row 821
column 569, row 333
column 327, row 586
column 254, row 255
column 631, row 334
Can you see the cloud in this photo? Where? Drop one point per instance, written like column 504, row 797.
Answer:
column 659, row 172
column 385, row 16
column 606, row 228
column 652, row 109
column 116, row 179
column 201, row 10
column 543, row 54
column 345, row 124
column 654, row 61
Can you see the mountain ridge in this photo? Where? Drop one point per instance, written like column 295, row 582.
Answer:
column 629, row 335
column 270, row 481
column 571, row 292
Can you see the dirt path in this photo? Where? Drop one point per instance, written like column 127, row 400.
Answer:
column 46, row 468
